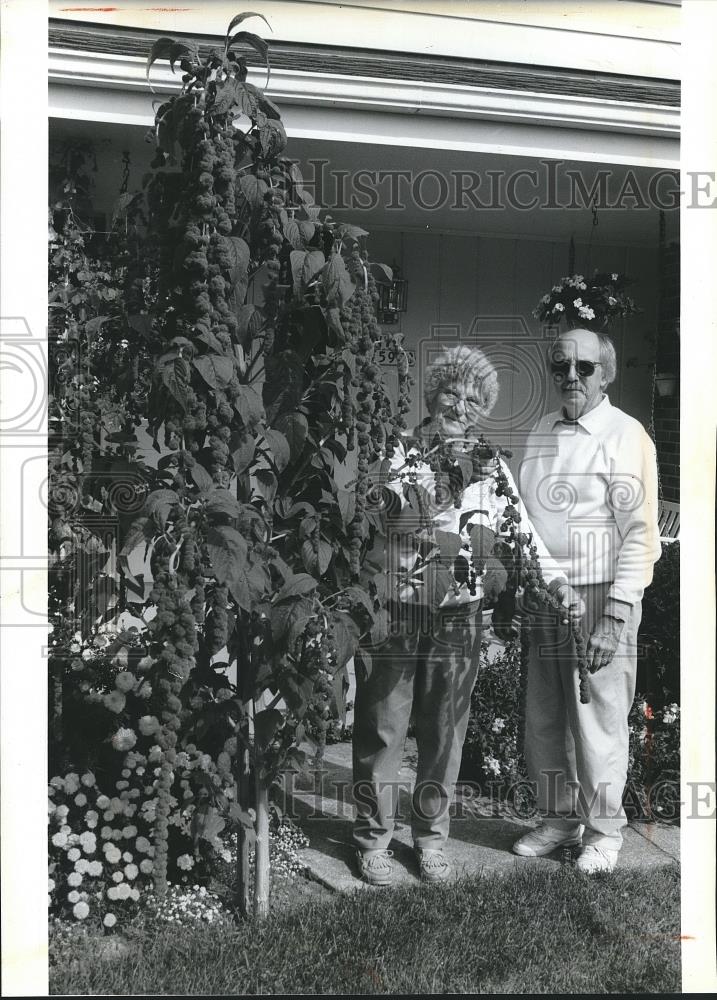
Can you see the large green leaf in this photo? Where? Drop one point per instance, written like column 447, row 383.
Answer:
column 140, row 532
column 347, row 504
column 249, row 406
column 220, row 502
column 158, row 505
column 256, row 43
column 357, row 595
column 175, row 377
column 346, row 633
column 316, row 562
column 206, row 823
column 266, row 724
column 283, row 384
column 161, row 49
column 450, row 543
column 296, row 586
column 253, row 189
column 288, row 619
column 242, row 447
column 293, row 233
column 202, row 478
column 279, row 447
column 294, row 427
column 227, row 551
column 216, row 370
column 242, row 17
column 337, row 282
column 238, row 272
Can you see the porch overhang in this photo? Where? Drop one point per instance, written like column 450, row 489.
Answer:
column 99, row 75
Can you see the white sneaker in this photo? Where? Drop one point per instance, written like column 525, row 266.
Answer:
column 594, row 859
column 545, row 840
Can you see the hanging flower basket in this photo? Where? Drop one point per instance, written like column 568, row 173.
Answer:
column 591, row 303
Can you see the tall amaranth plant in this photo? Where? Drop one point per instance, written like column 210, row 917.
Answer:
column 263, row 336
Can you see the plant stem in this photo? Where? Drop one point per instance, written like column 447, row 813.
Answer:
column 261, row 875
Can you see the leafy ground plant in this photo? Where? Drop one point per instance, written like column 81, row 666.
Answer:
column 559, row 933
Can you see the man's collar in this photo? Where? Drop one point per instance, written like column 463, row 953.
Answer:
column 592, row 421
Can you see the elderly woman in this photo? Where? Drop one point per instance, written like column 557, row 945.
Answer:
column 426, row 667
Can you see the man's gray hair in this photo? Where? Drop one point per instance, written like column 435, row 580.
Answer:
column 467, row 366
column 608, row 357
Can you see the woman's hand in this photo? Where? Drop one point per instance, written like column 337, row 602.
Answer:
column 571, row 604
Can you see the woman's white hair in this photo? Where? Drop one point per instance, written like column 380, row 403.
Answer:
column 467, row 366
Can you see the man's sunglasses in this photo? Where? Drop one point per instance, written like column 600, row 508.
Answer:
column 583, row 368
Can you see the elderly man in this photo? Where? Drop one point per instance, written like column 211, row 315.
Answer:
column 589, row 483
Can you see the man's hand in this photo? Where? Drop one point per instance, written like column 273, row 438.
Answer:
column 571, row 603
column 603, row 642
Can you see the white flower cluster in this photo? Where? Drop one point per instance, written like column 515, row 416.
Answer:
column 186, row 906
column 671, row 714
column 95, row 866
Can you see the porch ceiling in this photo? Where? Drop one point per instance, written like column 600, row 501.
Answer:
column 383, row 187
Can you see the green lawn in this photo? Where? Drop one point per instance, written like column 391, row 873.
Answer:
column 530, row 931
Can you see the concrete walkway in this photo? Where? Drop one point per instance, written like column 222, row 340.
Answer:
column 482, row 831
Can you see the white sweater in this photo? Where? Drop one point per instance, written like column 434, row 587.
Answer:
column 590, row 487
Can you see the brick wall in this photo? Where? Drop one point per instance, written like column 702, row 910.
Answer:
column 667, row 408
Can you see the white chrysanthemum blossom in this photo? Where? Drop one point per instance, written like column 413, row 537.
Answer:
column 74, row 854
column 103, row 802
column 74, row 879
column 185, row 862
column 149, row 725
column 125, row 681
column 146, row 866
column 131, row 872
column 59, row 839
column 88, row 779
column 112, row 893
column 73, row 896
column 88, row 842
column 72, row 783
column 129, row 831
column 118, row 877
column 82, row 866
column 95, row 869
column 124, row 739
column 109, row 920
column 115, row 701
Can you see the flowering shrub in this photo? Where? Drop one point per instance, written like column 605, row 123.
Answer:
column 492, row 753
column 184, row 907
column 654, row 769
column 659, row 665
column 240, row 332
column 587, row 302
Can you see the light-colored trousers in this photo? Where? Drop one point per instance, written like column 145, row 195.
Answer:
column 578, row 754
column 433, row 675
